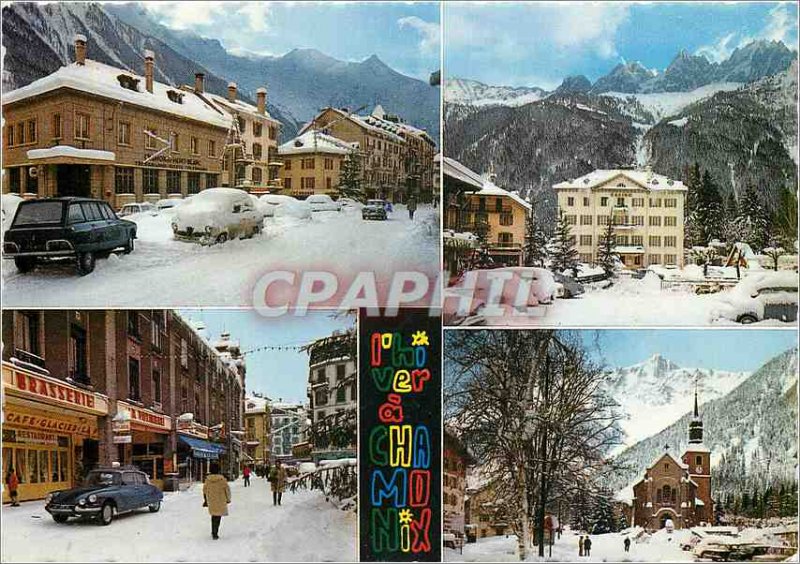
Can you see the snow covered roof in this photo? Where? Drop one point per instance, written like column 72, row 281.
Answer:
column 491, row 189
column 397, row 128
column 698, row 447
column 669, row 454
column 309, row 142
column 455, row 169
column 74, row 152
column 103, row 80
column 641, row 178
column 699, row 502
column 239, row 106
column 625, row 495
column 375, row 128
column 255, row 405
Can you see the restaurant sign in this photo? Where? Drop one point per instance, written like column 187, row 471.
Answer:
column 17, row 381
column 188, row 427
column 142, row 417
column 52, row 424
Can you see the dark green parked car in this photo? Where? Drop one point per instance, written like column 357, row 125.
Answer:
column 79, row 228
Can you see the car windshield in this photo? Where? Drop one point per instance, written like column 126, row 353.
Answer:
column 35, row 213
column 375, row 202
column 102, row 479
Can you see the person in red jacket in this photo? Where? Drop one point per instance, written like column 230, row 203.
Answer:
column 246, row 474
column 12, row 481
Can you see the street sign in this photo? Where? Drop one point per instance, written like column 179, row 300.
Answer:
column 122, row 439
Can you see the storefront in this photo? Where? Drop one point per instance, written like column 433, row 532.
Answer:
column 195, row 451
column 147, row 446
column 50, row 431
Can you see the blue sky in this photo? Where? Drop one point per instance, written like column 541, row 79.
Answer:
column 405, row 36
column 278, row 374
column 539, row 44
column 722, row 349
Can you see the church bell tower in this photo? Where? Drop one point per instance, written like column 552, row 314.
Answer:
column 698, row 458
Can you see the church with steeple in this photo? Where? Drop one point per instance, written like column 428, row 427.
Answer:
column 676, row 489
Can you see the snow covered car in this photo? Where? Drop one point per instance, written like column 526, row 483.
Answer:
column 322, row 202
column 130, row 209
column 349, row 204
column 168, row 203
column 374, row 209
column 542, row 282
column 767, row 295
column 106, row 492
column 79, row 228
column 286, row 206
column 216, row 215
column 569, row 287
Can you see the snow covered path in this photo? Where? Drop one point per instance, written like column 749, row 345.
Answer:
column 305, row 528
column 162, row 272
column 659, row 547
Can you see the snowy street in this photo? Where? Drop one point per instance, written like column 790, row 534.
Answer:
column 305, row 528
column 659, row 547
column 164, row 272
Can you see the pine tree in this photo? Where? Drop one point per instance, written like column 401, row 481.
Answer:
column 563, row 254
column 753, row 220
column 535, row 249
column 710, row 210
column 784, row 220
column 603, row 520
column 693, row 234
column 607, row 250
column 350, row 178
column 731, row 230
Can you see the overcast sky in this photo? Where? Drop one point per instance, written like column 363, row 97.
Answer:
column 538, row 44
column 405, row 36
column 276, row 373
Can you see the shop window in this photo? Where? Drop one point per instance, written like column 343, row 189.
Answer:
column 33, row 467
column 82, row 126
column 124, row 133
column 193, row 182
column 150, row 181
column 173, row 181
column 134, row 382
column 123, row 180
column 77, row 358
column 212, row 180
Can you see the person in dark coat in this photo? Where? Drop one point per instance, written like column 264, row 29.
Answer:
column 12, row 482
column 580, row 545
column 587, row 546
column 627, row 544
column 412, row 207
column 216, row 497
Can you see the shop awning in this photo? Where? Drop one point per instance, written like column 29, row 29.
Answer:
column 201, row 448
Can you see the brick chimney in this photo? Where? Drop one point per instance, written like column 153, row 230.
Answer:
column 199, row 80
column 80, row 49
column 261, row 99
column 149, row 64
column 232, row 91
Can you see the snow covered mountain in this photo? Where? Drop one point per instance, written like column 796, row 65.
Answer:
column 748, row 428
column 655, row 393
column 625, row 77
column 474, row 93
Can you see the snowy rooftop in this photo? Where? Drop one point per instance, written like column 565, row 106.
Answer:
column 375, row 127
column 641, row 178
column 491, row 189
column 455, row 169
column 74, row 152
column 309, row 142
column 239, row 106
column 255, row 405
column 103, row 80
column 625, row 495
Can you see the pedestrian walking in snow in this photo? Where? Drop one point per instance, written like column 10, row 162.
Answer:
column 216, row 497
column 277, row 480
column 580, row 546
column 12, row 481
column 627, row 544
column 412, row 207
column 246, row 474
column 587, row 546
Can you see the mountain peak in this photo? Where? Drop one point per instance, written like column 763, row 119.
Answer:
column 573, row 84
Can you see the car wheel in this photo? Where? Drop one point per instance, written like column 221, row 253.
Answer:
column 222, row 237
column 25, row 264
column 154, row 507
column 85, row 263
column 106, row 514
column 128, row 248
column 747, row 319
column 60, row 518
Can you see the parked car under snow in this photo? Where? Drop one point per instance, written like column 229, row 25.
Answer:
column 286, row 206
column 216, row 215
column 322, row 202
column 134, row 208
column 767, row 295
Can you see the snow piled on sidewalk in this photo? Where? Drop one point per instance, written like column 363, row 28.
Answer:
column 305, row 528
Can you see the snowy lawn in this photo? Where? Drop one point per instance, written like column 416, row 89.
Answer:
column 305, row 528
column 659, row 547
column 630, row 302
column 163, row 272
